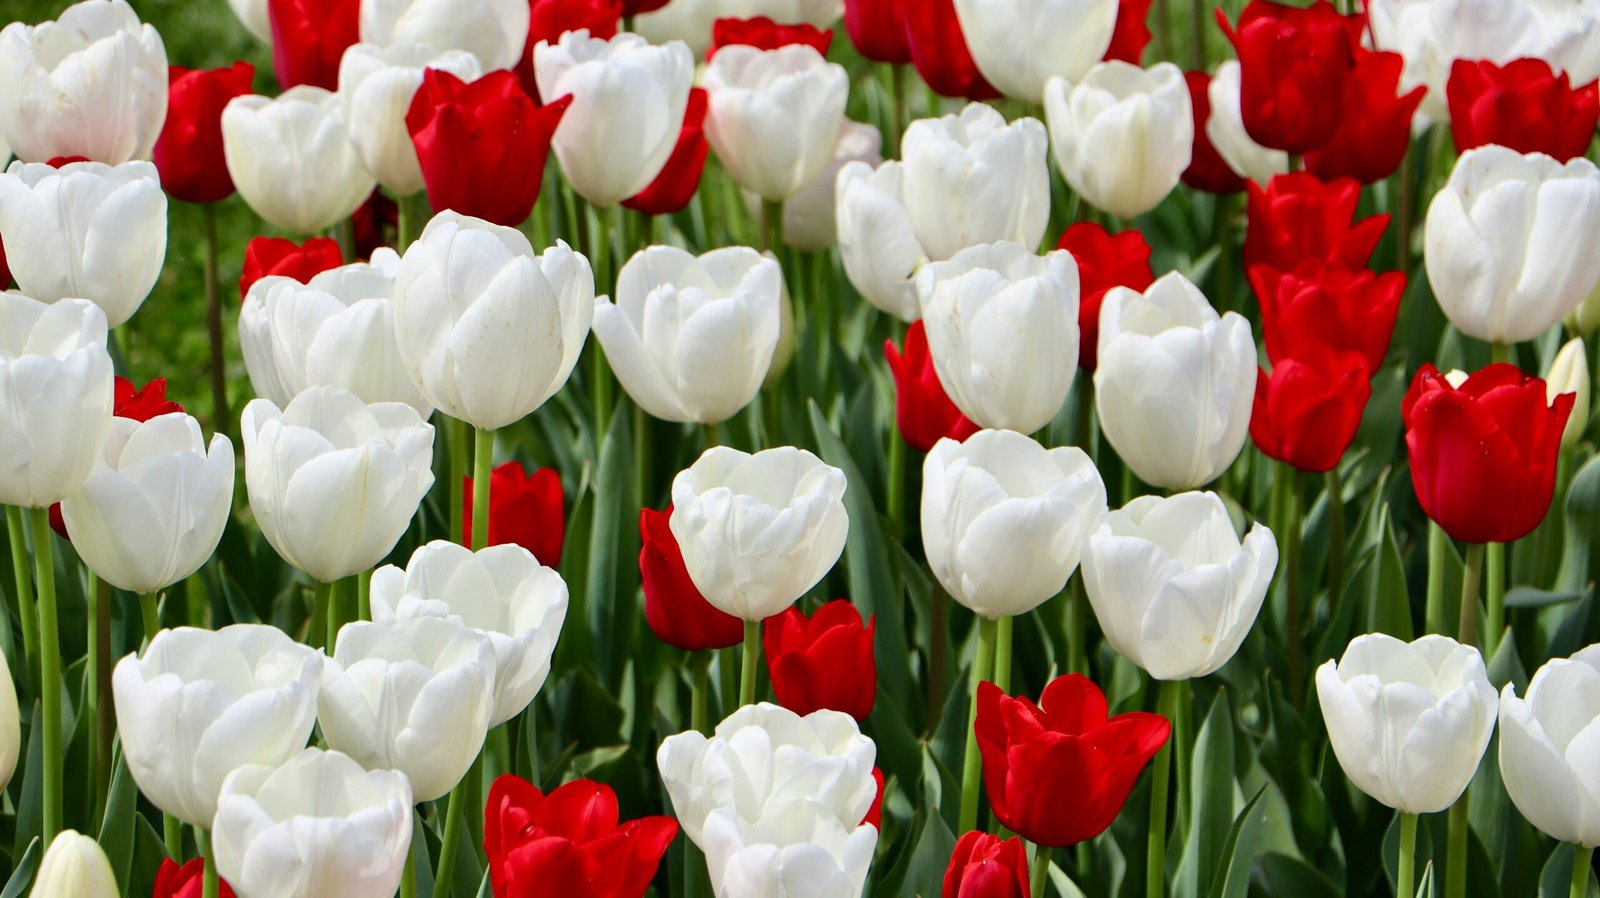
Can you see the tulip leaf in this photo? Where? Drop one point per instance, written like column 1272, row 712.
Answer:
column 1555, row 881
column 22, row 876
column 1234, row 861
column 1065, row 887
column 1286, row 875
column 1582, row 508
column 1389, row 608
column 1531, row 597
column 29, row 820
column 610, row 594
column 1211, row 813
column 116, row 828
column 925, row 874
column 148, row 852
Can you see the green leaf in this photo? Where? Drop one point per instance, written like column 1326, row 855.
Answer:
column 1529, row 597
column 22, row 877
column 1555, row 881
column 1211, row 808
column 1287, row 875
column 608, row 604
column 1234, row 861
column 29, row 820
column 1390, row 603
column 116, row 829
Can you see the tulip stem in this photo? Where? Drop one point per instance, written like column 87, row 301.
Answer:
column 772, row 226
column 482, row 466
column 1293, row 626
column 1405, row 865
column 1471, row 574
column 105, row 721
column 26, row 609
column 453, row 820
column 1155, row 868
column 1494, row 591
column 210, row 883
column 1438, row 545
column 456, row 434
column 221, row 420
column 1041, row 872
column 49, row 670
column 318, row 628
column 1335, row 565
column 335, row 612
column 408, row 878
column 895, row 499
column 91, row 687
column 364, row 595
column 172, row 834
column 1582, row 858
column 150, row 610
column 1455, row 879
column 972, row 764
column 897, row 108
column 752, row 652
column 345, row 233
column 698, row 687
column 1002, row 653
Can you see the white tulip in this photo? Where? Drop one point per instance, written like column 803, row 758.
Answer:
column 92, row 83
column 317, row 826
column 292, row 160
column 334, row 482
column 1019, row 45
column 202, row 703
column 691, row 339
column 1225, row 130
column 55, row 398
column 85, row 231
column 376, row 86
column 878, row 242
column 492, row 30
column 1123, row 135
column 416, row 697
column 501, row 592
column 1005, row 521
column 1550, row 748
column 801, row 853
column 74, row 866
column 1569, row 373
column 1174, row 589
column 337, row 330
column 488, row 331
column 1408, row 721
column 255, row 17
column 1508, row 240
column 10, row 724
column 773, row 116
column 809, row 217
column 1175, row 384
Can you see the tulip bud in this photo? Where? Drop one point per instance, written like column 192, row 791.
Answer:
column 1374, row 131
column 1225, row 128
column 189, row 153
column 923, row 412
column 1524, row 106
column 74, row 866
column 292, row 159
column 491, row 30
column 1327, row 306
column 569, row 842
column 810, row 217
column 877, row 28
column 1569, row 373
column 376, row 87
column 253, row 15
column 548, row 20
column 971, row 178
column 1296, row 218
column 1288, row 54
column 10, row 724
column 675, row 186
column 1308, row 407
column 675, row 610
column 267, row 256
column 528, row 510
column 985, row 866
column 187, row 881
column 939, row 50
column 1019, row 45
column 822, row 661
column 774, row 115
column 1105, row 260
column 1207, row 170
column 1116, row 104
column 878, row 243
column 1547, row 749
column 309, row 38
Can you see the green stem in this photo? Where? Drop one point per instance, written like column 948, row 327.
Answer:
column 460, row 470
column 364, row 595
column 320, row 596
column 49, row 670
column 938, row 652
column 482, row 465
column 346, row 235
column 1155, row 868
column 972, row 764
column 406, row 227
column 150, row 611
column 91, row 688
column 897, row 108
column 1198, row 21
column 1403, row 215
column 1002, row 653
column 699, row 717
column 1582, row 858
column 1293, row 625
column 1438, row 545
column 220, row 418
column 172, row 834
column 1335, row 565
column 21, row 568
column 453, row 820
column 709, row 431
column 752, row 653
column 210, row 883
column 1077, row 628
column 1041, row 872
column 1405, row 886
column 1455, row 879
column 1471, row 573
column 334, row 618
column 1500, row 354
column 772, row 226
column 1494, row 590
column 105, row 720
column 473, row 783
column 896, row 487
column 408, row 878
column 1083, row 425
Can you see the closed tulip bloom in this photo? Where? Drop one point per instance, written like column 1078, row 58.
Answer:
column 774, row 115
column 1375, row 129
column 416, row 697
column 1308, row 407
column 1569, row 373
column 1408, row 721
column 550, row 19
column 1330, row 306
column 691, row 339
column 758, row 531
column 333, row 481
column 877, row 239
column 292, row 159
column 877, row 28
column 1547, row 750
column 201, row 703
column 501, row 592
column 268, row 256
column 1524, row 106
column 940, row 52
column 1507, row 246
column 810, row 217
column 986, row 866
column 254, row 16
column 1288, row 56
column 92, row 83
column 376, row 86
column 317, row 826
column 74, row 866
column 491, row 30
column 1175, row 382
column 186, row 881
column 1105, row 260
column 799, row 854
column 822, row 661
column 489, row 330
column 1207, row 170
column 1132, row 32
column 309, row 38
column 55, row 398
column 1225, row 128
column 1002, row 493
column 971, row 178
column 189, row 152
column 527, row 510
column 1146, row 112
column 1057, row 773
column 1297, row 217
column 763, row 33
column 673, row 607
column 10, row 724
column 1018, row 46
column 673, row 188
column 923, row 413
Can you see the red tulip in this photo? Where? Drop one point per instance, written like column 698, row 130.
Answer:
column 675, row 186
column 1523, row 105
column 375, row 223
column 1329, row 305
column 1298, row 217
column 1483, row 454
column 878, row 29
column 1375, row 130
column 173, row 881
column 569, row 842
column 1207, row 169
column 939, row 50
column 824, row 661
column 631, row 8
column 1308, row 408
column 309, row 38
column 5, row 271
column 136, row 405
column 482, row 144
column 985, row 866
column 675, row 610
column 189, row 152
column 1057, row 773
column 1291, row 61
column 1105, row 260
column 278, row 257
column 764, row 34
column 922, row 409
column 549, row 19
column 1131, row 34
column 874, row 816
column 527, row 511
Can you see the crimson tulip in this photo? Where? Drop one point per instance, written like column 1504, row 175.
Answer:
column 939, row 51
column 1523, row 105
column 135, row 404
column 878, row 29
column 1373, row 133
column 1307, row 409
column 874, row 816
column 187, row 881
column 765, row 34
column 1105, row 260
column 482, row 144
column 824, row 661
column 922, row 410
column 1298, row 217
column 188, row 154
column 673, row 607
column 675, row 186
column 1330, row 305
column 1131, row 34
column 549, row 19
column 529, row 511
column 280, row 257
column 1057, row 773
column 569, row 842
column 631, row 8
column 985, row 866
column 309, row 38
column 1290, row 60
column 375, row 223
column 5, row 271
column 1483, row 450
column 1207, row 169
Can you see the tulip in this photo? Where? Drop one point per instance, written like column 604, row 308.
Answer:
column 877, row 28
column 691, row 339
column 765, row 34
column 187, row 881
column 491, row 30
column 877, row 240
column 333, row 481
column 1175, row 382
column 1569, row 373
column 1327, row 305
column 822, row 661
column 985, row 866
column 1131, row 34
column 569, row 842
column 1057, row 773
column 317, row 826
column 1208, row 170
column 502, row 593
column 55, row 398
column 1145, row 111
column 940, row 52
column 292, row 160
column 1524, row 106
column 548, row 20
column 376, row 87
column 758, row 531
column 74, row 866
column 810, row 217
column 774, row 116
column 1427, row 703
column 309, row 39
column 1507, row 248
column 1104, row 260
column 797, row 854
column 92, row 83
column 1374, row 131
column 1483, row 451
column 189, row 151
column 675, row 610
column 923, row 413
column 672, row 189
column 1225, row 128
column 1547, row 750
column 269, row 256
column 254, row 16
column 10, row 724
column 487, row 329
column 1307, row 409
column 137, row 405
column 1001, row 492
column 201, row 703
column 417, row 697
column 1002, row 326
column 1288, row 57
column 338, row 330
column 1297, row 217
column 524, row 510
column 1019, row 46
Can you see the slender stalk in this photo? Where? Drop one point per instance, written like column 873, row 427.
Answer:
column 1335, row 565
column 172, row 835
column 474, row 800
column 453, row 820
column 210, row 882
column 1083, row 425
column 1455, row 874
column 150, row 611
column 1002, row 653
column 460, row 469
column 408, row 879
column 1438, row 545
column 972, row 764
column 1155, row 868
column 641, row 458
column 896, row 487
column 1471, row 573
column 91, row 689
column 105, row 721
column 897, row 108
column 709, row 431
column 364, row 595
column 1494, row 591
column 49, row 670
column 334, row 618
column 698, row 689
column 320, row 602
column 1293, row 625
column 1403, row 213
column 1582, row 858
column 772, row 225
column 1041, row 872
column 220, row 418
column 1163, row 29
column 1197, row 29
column 1077, row 627
column 345, row 233
column 482, row 463
column 938, row 655
column 21, row 567
column 1405, row 865
column 752, row 653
